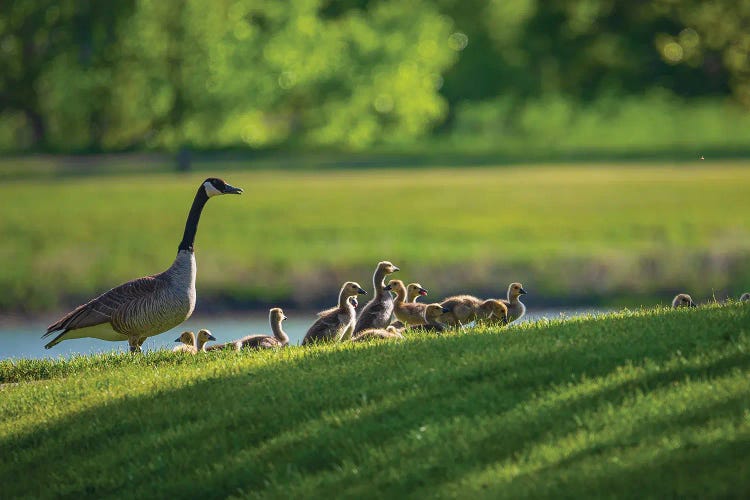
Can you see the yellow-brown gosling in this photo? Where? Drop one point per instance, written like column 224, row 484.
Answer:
column 516, row 309
column 378, row 311
column 434, row 314
column 493, row 311
column 390, row 332
column 204, row 336
column 187, row 340
column 682, row 300
column 414, row 291
column 278, row 339
column 745, row 297
column 408, row 313
column 352, row 300
column 460, row 309
column 336, row 324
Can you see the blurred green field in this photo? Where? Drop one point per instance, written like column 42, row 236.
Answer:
column 597, row 233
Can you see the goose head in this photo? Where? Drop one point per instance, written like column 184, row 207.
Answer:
column 215, row 187
column 494, row 308
column 352, row 288
column 682, row 300
column 276, row 315
column 397, row 287
column 414, row 290
column 515, row 290
column 433, row 311
column 204, row 336
column 353, row 301
column 386, row 267
column 187, row 338
column 745, row 297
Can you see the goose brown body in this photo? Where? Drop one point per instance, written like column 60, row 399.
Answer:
column 335, row 324
column 408, row 313
column 389, row 332
column 682, row 300
column 378, row 311
column 460, row 309
column 516, row 308
column 492, row 312
column 434, row 315
column 260, row 341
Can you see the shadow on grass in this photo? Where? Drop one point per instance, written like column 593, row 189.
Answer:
column 351, row 421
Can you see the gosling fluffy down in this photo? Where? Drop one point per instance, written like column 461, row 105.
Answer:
column 378, row 311
column 433, row 315
column 745, row 297
column 682, row 300
column 516, row 309
column 336, row 324
column 389, row 332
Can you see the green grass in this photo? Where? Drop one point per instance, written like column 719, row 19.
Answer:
column 566, row 231
column 652, row 403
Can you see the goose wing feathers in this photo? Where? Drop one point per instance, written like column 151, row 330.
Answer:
column 103, row 308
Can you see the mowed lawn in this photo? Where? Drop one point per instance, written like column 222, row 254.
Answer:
column 654, row 403
column 563, row 230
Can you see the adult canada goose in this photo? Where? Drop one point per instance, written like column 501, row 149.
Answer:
column 145, row 306
column 408, row 313
column 682, row 300
column 745, row 297
column 492, row 312
column 377, row 312
column 516, row 309
column 460, row 309
column 433, row 316
column 336, row 324
column 189, row 343
column 390, row 332
column 414, row 291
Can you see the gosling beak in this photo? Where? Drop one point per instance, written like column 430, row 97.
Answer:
column 178, row 339
column 361, row 292
column 395, row 269
column 422, row 291
column 232, row 190
column 211, row 337
column 283, row 318
column 522, row 291
column 388, row 287
column 445, row 310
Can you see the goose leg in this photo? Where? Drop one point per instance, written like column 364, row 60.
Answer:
column 134, row 346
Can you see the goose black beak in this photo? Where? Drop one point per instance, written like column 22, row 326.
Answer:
column 283, row 318
column 178, row 339
column 522, row 291
column 422, row 291
column 361, row 292
column 232, row 190
column 395, row 269
column 445, row 310
column 388, row 287
column 211, row 337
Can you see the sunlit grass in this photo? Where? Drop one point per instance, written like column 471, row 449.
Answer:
column 586, row 231
column 653, row 401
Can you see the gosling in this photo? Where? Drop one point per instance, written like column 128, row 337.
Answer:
column 352, row 300
column 433, row 314
column 189, row 343
column 460, row 309
column 407, row 313
column 492, row 312
column 336, row 324
column 682, row 300
column 278, row 339
column 745, row 297
column 378, row 311
column 516, row 309
column 390, row 332
column 414, row 291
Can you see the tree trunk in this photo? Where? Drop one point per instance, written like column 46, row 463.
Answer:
column 38, row 129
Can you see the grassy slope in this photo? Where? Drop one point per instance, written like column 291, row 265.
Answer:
column 653, row 403
column 639, row 229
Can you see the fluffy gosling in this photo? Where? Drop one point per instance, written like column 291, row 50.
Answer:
column 745, row 297
column 459, row 309
column 336, row 324
column 516, row 309
column 390, row 332
column 493, row 312
column 414, row 291
column 190, row 344
column 408, row 313
column 378, row 311
column 682, row 300
column 433, row 316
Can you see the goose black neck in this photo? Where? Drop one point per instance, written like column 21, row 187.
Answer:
column 191, row 225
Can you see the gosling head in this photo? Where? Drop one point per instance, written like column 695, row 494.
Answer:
column 433, row 311
column 496, row 309
column 515, row 289
column 352, row 288
column 682, row 300
column 276, row 315
column 386, row 267
column 391, row 329
column 215, row 187
column 745, row 297
column 353, row 301
column 415, row 290
column 204, row 336
column 397, row 287
column 187, row 338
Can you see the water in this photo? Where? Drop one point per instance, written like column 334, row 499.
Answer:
column 22, row 339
